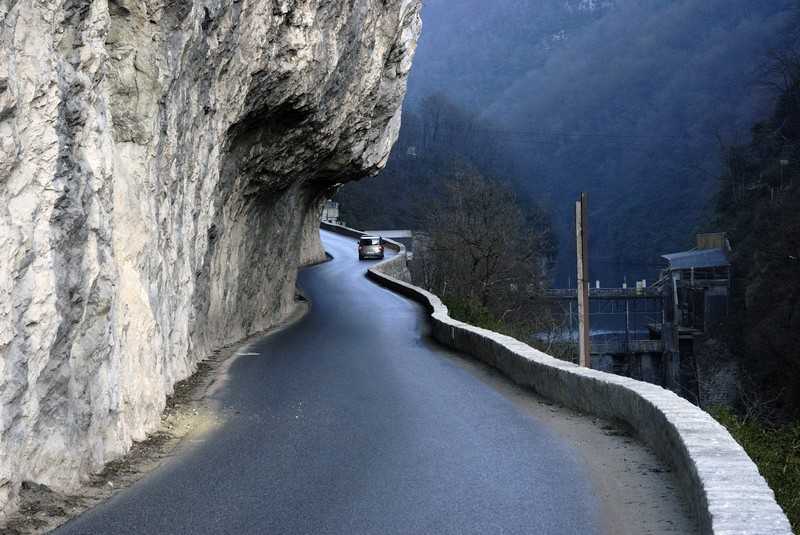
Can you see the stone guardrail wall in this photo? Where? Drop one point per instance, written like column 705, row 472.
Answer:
column 728, row 494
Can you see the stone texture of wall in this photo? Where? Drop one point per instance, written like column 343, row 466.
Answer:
column 161, row 170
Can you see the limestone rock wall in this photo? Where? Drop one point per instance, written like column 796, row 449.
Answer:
column 162, row 165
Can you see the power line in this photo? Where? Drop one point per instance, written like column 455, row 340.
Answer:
column 563, row 139
column 570, row 136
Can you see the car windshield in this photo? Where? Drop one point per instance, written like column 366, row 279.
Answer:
column 370, row 241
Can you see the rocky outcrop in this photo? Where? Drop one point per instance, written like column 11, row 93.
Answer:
column 161, row 170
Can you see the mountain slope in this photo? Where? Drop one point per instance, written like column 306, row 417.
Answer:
column 626, row 100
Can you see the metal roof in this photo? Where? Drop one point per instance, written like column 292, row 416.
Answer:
column 698, row 258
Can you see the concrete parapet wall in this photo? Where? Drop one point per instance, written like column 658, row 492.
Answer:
column 722, row 483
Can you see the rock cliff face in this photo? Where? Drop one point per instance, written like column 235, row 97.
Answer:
column 161, row 169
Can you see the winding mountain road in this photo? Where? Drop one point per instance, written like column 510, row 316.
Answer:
column 352, row 421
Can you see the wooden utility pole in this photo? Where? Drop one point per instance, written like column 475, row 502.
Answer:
column 581, row 225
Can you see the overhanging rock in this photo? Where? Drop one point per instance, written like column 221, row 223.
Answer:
column 161, row 169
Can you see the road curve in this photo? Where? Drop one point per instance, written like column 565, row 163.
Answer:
column 352, row 421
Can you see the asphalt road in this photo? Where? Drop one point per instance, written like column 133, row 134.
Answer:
column 352, row 421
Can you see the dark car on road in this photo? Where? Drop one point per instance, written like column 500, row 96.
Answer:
column 370, row 247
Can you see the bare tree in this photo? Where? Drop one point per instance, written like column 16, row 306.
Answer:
column 480, row 250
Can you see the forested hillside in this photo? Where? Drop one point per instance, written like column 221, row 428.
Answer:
column 759, row 205
column 628, row 100
column 632, row 111
column 435, row 142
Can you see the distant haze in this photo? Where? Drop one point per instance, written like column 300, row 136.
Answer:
column 624, row 99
